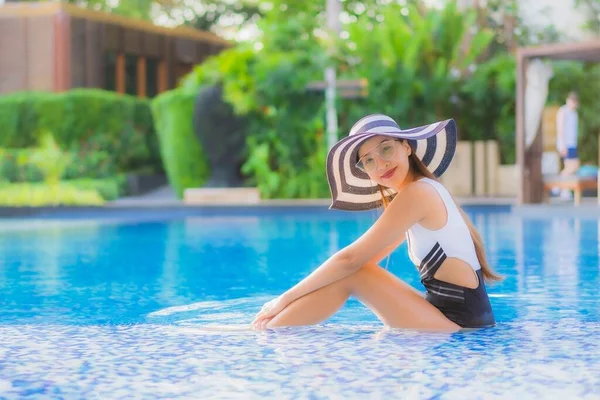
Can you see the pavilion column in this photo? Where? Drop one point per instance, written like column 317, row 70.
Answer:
column 533, row 164
column 523, row 194
column 529, row 160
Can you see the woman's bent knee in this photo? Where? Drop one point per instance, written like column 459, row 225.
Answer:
column 374, row 274
column 396, row 303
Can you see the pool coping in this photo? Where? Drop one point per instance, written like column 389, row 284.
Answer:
column 588, row 209
column 172, row 205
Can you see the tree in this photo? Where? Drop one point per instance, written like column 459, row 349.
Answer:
column 218, row 16
column 592, row 11
column 210, row 14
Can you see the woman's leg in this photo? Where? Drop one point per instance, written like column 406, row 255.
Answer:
column 395, row 303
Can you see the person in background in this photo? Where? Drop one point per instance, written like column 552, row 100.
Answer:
column 567, row 122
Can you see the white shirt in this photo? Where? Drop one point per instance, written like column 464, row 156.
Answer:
column 569, row 127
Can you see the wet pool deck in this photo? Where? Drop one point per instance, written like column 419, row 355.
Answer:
column 164, row 197
column 164, row 200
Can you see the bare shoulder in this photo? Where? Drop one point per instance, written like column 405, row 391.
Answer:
column 415, row 201
column 419, row 192
column 423, row 198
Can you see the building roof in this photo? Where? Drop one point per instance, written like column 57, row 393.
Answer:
column 51, row 8
column 582, row 51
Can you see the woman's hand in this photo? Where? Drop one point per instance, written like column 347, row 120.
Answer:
column 268, row 312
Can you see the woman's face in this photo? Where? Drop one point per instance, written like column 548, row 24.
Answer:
column 385, row 160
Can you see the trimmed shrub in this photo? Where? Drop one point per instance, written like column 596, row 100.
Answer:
column 39, row 194
column 15, row 166
column 83, row 120
column 109, row 188
column 183, row 158
column 73, row 192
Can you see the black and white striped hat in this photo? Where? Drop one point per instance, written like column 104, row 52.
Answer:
column 351, row 188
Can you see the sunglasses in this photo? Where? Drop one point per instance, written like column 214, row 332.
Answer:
column 385, row 150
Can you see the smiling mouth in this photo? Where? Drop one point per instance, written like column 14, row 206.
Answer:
column 389, row 174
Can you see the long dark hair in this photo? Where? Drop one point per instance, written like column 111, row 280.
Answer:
column 419, row 170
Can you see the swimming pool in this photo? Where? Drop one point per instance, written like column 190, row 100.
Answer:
column 156, row 305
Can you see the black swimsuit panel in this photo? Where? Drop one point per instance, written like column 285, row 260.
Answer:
column 468, row 308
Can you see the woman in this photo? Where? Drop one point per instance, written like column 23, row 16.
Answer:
column 378, row 164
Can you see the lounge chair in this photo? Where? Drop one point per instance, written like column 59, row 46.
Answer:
column 575, row 183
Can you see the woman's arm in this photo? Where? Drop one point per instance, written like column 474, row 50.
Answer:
column 407, row 208
column 335, row 268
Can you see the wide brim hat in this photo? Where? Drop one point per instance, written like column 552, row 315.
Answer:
column 352, row 189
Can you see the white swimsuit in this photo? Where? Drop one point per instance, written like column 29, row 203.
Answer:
column 428, row 249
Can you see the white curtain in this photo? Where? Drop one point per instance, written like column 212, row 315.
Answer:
column 536, row 94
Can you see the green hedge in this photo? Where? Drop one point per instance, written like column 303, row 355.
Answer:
column 108, row 188
column 79, row 192
column 37, row 195
column 182, row 154
column 14, row 166
column 83, row 120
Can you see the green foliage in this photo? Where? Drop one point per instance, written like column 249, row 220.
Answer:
column 49, row 159
column 236, row 64
column 259, row 168
column 591, row 10
column 39, row 194
column 108, row 188
column 285, row 122
column 137, row 9
column 422, row 65
column 47, row 163
column 489, row 105
column 585, row 80
column 490, row 101
column 415, row 62
column 213, row 13
column 182, row 155
column 83, row 121
column 505, row 19
column 200, row 14
column 9, row 122
column 14, row 166
column 288, row 181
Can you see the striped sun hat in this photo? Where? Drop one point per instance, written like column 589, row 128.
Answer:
column 351, row 188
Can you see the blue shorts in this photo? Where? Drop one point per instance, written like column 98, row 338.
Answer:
column 571, row 153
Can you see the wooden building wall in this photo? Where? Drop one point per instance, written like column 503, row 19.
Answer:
column 58, row 47
column 131, row 60
column 136, row 56
column 27, row 46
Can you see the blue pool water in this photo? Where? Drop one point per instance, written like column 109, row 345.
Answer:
column 135, row 305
